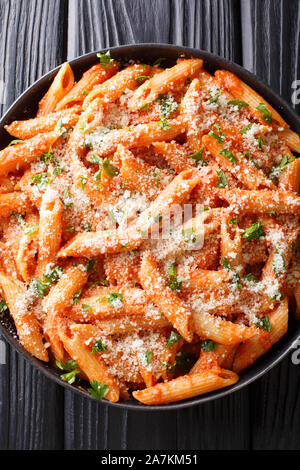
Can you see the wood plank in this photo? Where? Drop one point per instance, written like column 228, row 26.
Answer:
column 213, row 26
column 31, row 407
column 271, row 50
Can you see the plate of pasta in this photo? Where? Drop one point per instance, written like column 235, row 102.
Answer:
column 149, row 212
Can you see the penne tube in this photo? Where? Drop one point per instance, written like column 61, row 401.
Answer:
column 291, row 139
column 231, row 243
column 141, row 135
column 16, row 201
column 289, row 179
column 186, row 386
column 164, row 82
column 139, row 175
column 26, row 255
column 121, row 325
column 249, row 351
column 31, row 127
column 123, row 81
column 176, row 311
column 92, row 365
column 190, row 109
column 261, row 201
column 91, row 78
column 50, row 228
column 26, row 324
column 120, row 240
column 20, row 155
column 244, row 170
column 176, row 155
column 221, row 331
column 242, row 91
column 61, row 85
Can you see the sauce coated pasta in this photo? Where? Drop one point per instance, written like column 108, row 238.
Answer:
column 150, row 222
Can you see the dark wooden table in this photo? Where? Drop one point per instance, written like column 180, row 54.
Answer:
column 37, row 35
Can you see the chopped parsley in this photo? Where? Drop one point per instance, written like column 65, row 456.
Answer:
column 3, row 307
column 115, row 299
column 98, row 346
column 158, row 61
column 105, row 59
column 66, row 199
column 189, row 235
column 218, row 137
column 90, row 265
column 141, row 78
column 208, row 345
column 83, row 181
column 277, row 170
column 95, row 159
column 15, row 142
column 72, row 370
column 264, row 324
column 226, row 264
column 233, row 221
column 214, row 96
column 266, row 114
column 223, row 182
column 173, row 338
column 173, row 282
column 148, row 355
column 31, row 229
column 246, row 128
column 240, row 103
column 198, row 158
column 260, row 144
column 86, row 307
column 39, row 288
column 163, row 123
column 41, row 180
column 254, row 231
column 54, row 274
column 109, row 169
column 229, row 155
column 98, row 390
column 77, row 296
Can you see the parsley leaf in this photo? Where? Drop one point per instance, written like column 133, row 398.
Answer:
column 277, row 170
column 15, row 142
column 266, row 114
column 38, row 287
column 31, row 229
column 240, row 103
column 173, row 338
column 254, row 231
column 223, row 182
column 229, row 155
column 163, row 123
column 98, row 346
column 148, row 355
column 109, row 169
column 66, row 199
column 198, row 158
column 3, row 307
column 76, row 296
column 264, row 324
column 115, row 299
column 219, row 138
column 41, row 180
column 105, row 59
column 173, row 282
column 208, row 345
column 141, row 78
column 98, row 390
column 54, row 274
column 246, row 128
column 90, row 265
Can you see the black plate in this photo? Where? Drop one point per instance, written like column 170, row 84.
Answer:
column 26, row 106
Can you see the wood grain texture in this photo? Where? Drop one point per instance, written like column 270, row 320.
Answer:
column 35, row 36
column 271, row 50
column 31, row 406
